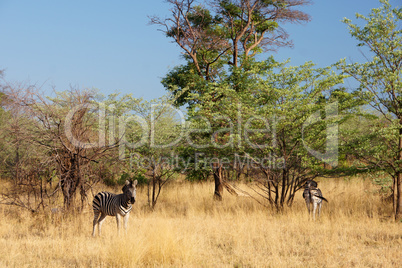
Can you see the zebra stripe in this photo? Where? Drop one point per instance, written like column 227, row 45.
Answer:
column 111, row 204
column 118, row 205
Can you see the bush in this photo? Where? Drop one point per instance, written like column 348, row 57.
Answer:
column 139, row 177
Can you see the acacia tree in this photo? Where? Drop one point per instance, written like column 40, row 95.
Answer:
column 67, row 130
column 281, row 130
column 302, row 128
column 23, row 163
column 157, row 155
column 149, row 133
column 380, row 81
column 220, row 41
column 222, row 36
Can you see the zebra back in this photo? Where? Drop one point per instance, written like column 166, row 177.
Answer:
column 111, row 204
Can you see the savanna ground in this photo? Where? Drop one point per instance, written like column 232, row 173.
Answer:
column 189, row 229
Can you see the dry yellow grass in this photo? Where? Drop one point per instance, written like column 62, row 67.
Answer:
column 189, row 229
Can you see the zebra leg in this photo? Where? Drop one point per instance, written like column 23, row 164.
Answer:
column 95, row 222
column 314, row 210
column 118, row 220
column 125, row 220
column 100, row 221
column 308, row 206
column 319, row 209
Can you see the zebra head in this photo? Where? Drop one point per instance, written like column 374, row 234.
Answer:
column 310, row 184
column 129, row 190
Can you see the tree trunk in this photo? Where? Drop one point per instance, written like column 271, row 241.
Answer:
column 70, row 184
column 66, row 186
column 398, row 183
column 70, row 181
column 153, row 190
column 218, row 182
column 397, row 197
column 283, row 190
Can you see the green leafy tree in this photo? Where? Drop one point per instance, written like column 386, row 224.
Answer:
column 303, row 128
column 222, row 36
column 157, row 155
column 380, row 84
column 281, row 130
column 220, row 40
column 149, row 132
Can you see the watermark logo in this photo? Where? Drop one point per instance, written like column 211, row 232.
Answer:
column 222, row 132
column 330, row 156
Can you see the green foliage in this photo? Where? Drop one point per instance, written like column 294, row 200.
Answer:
column 221, row 40
column 380, row 146
column 383, row 180
column 258, row 118
column 380, row 85
column 382, row 36
column 139, row 176
column 109, row 181
column 142, row 180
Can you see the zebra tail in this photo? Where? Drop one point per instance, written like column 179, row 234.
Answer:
column 323, row 198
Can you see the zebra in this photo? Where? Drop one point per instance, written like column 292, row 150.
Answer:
column 312, row 194
column 118, row 205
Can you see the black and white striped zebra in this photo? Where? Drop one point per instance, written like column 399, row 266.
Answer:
column 118, row 205
column 313, row 195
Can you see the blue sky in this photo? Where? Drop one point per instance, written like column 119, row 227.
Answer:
column 109, row 45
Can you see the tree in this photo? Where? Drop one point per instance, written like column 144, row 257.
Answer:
column 149, row 132
column 282, row 129
column 67, row 136
column 24, row 164
column 222, row 36
column 380, row 84
column 158, row 154
column 220, row 41
column 302, row 132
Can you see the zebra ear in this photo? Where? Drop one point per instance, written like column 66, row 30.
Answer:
column 135, row 183
column 127, row 182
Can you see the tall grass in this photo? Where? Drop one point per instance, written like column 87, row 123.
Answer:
column 189, row 229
